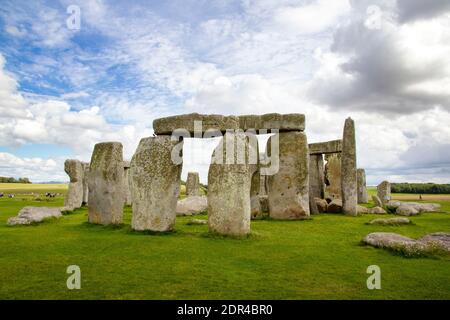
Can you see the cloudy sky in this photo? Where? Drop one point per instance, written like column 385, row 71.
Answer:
column 385, row 63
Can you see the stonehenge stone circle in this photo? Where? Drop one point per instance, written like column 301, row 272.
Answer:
column 363, row 197
column 155, row 184
column 384, row 191
column 229, row 185
column 126, row 182
column 348, row 169
column 288, row 189
column 193, row 184
column 333, row 176
column 74, row 197
column 106, row 192
column 86, row 168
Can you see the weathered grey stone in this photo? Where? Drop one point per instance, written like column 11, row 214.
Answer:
column 255, row 205
column 316, row 181
column 425, row 245
column 106, row 193
column 155, row 184
column 393, row 204
column 29, row 215
column 192, row 205
column 262, row 178
column 186, row 122
column 390, row 221
column 328, row 147
column 384, row 192
column 363, row 197
column 437, row 240
column 281, row 122
column 406, row 210
column 288, row 189
column 229, row 184
column 377, row 210
column 127, row 182
column 362, row 210
column 264, row 204
column 74, row 196
column 322, row 205
column 335, row 206
column 388, row 240
column 193, row 184
column 348, row 170
column 377, row 201
column 86, row 166
column 333, row 176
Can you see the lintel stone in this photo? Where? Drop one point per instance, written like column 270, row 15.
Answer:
column 334, row 146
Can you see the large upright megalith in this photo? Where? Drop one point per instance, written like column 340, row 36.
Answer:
column 288, row 189
column 316, row 180
column 155, row 184
column 126, row 182
column 106, row 192
column 86, row 168
column 362, row 188
column 348, row 170
column 229, row 183
column 74, row 196
column 192, row 184
column 384, row 191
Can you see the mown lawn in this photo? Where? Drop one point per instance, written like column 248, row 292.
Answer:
column 320, row 258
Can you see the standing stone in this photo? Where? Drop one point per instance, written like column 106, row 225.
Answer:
column 155, row 184
column 106, row 194
column 229, row 183
column 193, row 184
column 377, row 201
column 316, row 181
column 363, row 197
column 126, row 182
column 333, row 176
column 262, row 178
column 288, row 189
column 86, row 167
column 74, row 197
column 384, row 192
column 348, row 168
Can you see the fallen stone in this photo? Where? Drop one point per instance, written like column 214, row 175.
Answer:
column 406, row 210
column 155, row 184
column 192, row 205
column 197, row 222
column 393, row 204
column 391, row 221
column 362, row 210
column 377, row 210
column 29, row 215
column 322, row 205
column 425, row 245
column 440, row 240
column 335, row 206
column 106, row 191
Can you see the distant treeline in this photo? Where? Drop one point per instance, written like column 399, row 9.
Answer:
column 431, row 188
column 14, row 180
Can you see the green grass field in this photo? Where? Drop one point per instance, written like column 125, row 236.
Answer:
column 321, row 258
